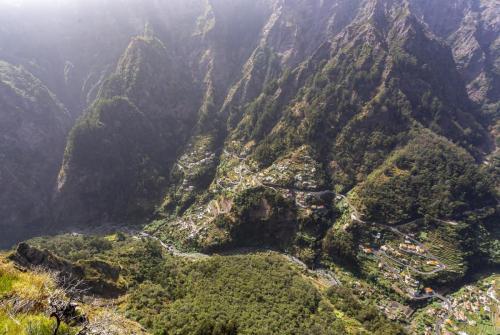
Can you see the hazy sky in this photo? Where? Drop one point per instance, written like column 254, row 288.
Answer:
column 31, row 2
column 22, row 2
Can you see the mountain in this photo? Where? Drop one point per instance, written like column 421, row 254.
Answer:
column 34, row 125
column 381, row 82
column 357, row 137
column 144, row 113
column 218, row 150
column 74, row 46
column 471, row 30
column 217, row 120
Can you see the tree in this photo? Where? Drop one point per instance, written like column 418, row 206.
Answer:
column 63, row 301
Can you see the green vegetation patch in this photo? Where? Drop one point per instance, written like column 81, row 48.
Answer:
column 6, row 281
column 260, row 293
column 28, row 324
column 254, row 294
column 430, row 176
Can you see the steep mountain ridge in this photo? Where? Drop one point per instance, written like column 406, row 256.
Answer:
column 144, row 113
column 33, row 128
column 78, row 43
column 471, row 29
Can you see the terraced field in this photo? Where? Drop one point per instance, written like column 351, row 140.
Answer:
column 443, row 243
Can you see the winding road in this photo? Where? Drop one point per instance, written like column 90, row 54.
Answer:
column 323, row 274
column 171, row 249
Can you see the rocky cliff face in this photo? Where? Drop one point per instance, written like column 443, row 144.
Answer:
column 33, row 128
column 128, row 140
column 471, row 30
column 74, row 46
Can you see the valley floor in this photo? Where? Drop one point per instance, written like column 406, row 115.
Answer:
column 253, row 293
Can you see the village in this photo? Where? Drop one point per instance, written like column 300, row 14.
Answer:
column 399, row 258
column 295, row 178
column 198, row 157
column 473, row 310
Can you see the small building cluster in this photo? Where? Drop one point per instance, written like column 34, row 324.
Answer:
column 467, row 308
column 409, row 247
